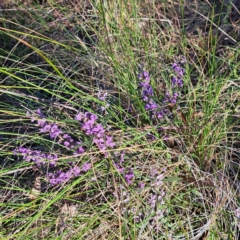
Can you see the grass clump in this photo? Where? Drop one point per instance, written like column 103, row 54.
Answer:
column 117, row 122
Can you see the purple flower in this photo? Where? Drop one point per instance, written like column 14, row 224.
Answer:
column 146, row 93
column 67, row 137
column 180, row 82
column 102, row 95
column 80, row 150
column 37, row 156
column 141, row 185
column 55, row 131
column 122, row 157
column 170, row 99
column 76, row 171
column 87, row 127
column 86, row 166
column 150, row 137
column 144, row 84
column 68, row 141
column 175, row 95
column 102, row 109
column 60, row 177
column 174, row 81
column 109, row 141
column 98, row 130
column 129, row 176
column 178, row 69
column 52, row 157
column 90, row 117
column 161, row 114
column 147, row 90
column 90, row 127
column 158, row 181
column 119, row 167
column 39, row 113
column 177, row 81
column 166, row 137
column 151, row 105
column 79, row 117
column 66, row 144
column 144, row 75
column 45, row 128
column 100, row 143
column 152, row 201
column 153, row 172
column 23, row 150
column 159, row 111
column 41, row 122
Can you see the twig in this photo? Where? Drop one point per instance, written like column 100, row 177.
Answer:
column 16, row 170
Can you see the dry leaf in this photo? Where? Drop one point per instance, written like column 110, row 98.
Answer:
column 36, row 190
column 70, row 210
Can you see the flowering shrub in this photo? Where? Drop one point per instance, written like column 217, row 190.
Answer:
column 89, row 125
column 103, row 141
column 51, row 159
column 158, row 111
column 153, row 206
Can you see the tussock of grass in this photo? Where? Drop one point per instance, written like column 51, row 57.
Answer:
column 62, row 57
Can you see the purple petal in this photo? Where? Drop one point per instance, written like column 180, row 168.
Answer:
column 80, row 150
column 79, row 117
column 109, row 141
column 85, row 167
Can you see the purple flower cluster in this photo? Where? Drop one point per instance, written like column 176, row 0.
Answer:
column 129, row 175
column 159, row 111
column 52, row 129
column 157, row 184
column 54, row 132
column 170, row 99
column 155, row 200
column 91, row 128
column 127, row 172
column 59, row 177
column 147, row 94
column 147, row 91
column 37, row 156
column 40, row 158
column 103, row 141
column 177, row 80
